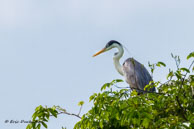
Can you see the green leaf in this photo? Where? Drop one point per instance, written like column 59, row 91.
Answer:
column 33, row 125
column 34, row 116
column 134, row 93
column 80, row 103
column 115, row 81
column 54, row 107
column 190, row 55
column 170, row 74
column 160, row 63
column 152, row 70
column 185, row 69
column 47, row 116
column 39, row 108
column 146, row 122
column 53, row 112
column 117, row 116
column 110, row 84
column 39, row 125
column 178, row 75
column 101, row 124
column 44, row 124
column 192, row 83
column 104, row 86
column 29, row 126
column 92, row 96
column 118, row 80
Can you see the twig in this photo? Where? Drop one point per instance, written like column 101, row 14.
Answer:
column 80, row 110
column 121, row 87
column 166, row 82
column 189, row 69
column 72, row 114
column 191, row 64
column 177, row 61
column 142, row 90
column 67, row 113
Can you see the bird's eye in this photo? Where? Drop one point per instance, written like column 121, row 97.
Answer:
column 115, row 53
column 109, row 44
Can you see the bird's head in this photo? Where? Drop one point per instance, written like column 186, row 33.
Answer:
column 111, row 44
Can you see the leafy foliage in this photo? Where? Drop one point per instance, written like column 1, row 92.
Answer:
column 171, row 107
column 41, row 116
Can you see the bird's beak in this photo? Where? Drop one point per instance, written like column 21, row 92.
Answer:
column 101, row 51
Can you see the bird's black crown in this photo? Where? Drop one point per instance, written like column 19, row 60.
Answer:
column 112, row 42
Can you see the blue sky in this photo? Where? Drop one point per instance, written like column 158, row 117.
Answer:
column 46, row 49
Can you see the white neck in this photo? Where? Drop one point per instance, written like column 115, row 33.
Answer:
column 116, row 59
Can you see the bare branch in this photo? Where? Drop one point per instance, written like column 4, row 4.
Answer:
column 67, row 113
column 72, row 114
column 121, row 87
column 191, row 65
column 80, row 110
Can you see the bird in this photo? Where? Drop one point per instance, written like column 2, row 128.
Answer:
column 135, row 74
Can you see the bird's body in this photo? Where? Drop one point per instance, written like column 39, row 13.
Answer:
column 135, row 74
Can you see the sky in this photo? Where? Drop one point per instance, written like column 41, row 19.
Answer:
column 46, row 49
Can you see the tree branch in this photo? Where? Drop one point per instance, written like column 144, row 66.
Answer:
column 72, row 114
column 67, row 113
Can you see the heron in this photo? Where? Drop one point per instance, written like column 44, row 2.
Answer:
column 135, row 74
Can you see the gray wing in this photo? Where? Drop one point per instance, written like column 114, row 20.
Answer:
column 136, row 74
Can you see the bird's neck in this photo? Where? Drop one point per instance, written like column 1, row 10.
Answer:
column 116, row 59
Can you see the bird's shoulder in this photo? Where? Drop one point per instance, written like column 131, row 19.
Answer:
column 130, row 61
